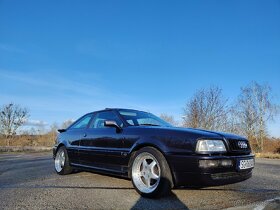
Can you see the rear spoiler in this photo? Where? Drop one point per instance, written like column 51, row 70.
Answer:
column 61, row 130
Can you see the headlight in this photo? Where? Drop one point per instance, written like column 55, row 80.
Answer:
column 210, row 146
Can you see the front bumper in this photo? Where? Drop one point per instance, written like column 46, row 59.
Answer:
column 186, row 170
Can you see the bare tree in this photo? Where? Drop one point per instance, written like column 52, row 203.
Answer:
column 207, row 109
column 12, row 116
column 255, row 109
column 233, row 124
column 169, row 118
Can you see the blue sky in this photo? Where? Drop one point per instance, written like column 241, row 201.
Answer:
column 64, row 58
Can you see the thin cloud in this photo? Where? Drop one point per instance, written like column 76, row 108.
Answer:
column 54, row 81
column 36, row 123
column 66, row 93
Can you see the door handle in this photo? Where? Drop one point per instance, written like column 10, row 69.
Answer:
column 85, row 135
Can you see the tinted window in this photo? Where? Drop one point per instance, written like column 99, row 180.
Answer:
column 82, row 123
column 98, row 121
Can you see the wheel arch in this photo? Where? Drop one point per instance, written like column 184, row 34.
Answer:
column 58, row 146
column 140, row 146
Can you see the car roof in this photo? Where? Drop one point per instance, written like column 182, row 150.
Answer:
column 117, row 109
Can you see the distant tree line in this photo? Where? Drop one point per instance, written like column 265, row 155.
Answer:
column 14, row 116
column 208, row 109
column 248, row 115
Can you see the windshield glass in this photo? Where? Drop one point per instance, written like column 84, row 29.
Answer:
column 138, row 118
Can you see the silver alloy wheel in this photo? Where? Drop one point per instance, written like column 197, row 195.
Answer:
column 59, row 161
column 146, row 172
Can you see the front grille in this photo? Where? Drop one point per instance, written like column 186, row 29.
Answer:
column 237, row 145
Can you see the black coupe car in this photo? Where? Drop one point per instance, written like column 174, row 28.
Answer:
column 153, row 154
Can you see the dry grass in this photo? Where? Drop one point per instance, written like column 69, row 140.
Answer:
column 268, row 155
column 46, row 140
column 28, row 143
column 25, row 149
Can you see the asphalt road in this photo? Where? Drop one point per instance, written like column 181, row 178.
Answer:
column 28, row 181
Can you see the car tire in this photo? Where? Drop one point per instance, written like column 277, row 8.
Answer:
column 150, row 173
column 61, row 162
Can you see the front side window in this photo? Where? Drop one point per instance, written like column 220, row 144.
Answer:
column 98, row 121
column 82, row 123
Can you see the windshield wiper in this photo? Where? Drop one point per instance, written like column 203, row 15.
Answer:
column 147, row 124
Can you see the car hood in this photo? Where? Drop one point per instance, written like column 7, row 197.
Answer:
column 199, row 133
column 222, row 134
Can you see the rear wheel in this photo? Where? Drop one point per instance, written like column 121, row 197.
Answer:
column 150, row 173
column 61, row 162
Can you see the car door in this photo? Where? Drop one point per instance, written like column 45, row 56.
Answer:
column 73, row 136
column 101, row 147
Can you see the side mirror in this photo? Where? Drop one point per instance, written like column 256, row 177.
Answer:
column 111, row 123
column 61, row 130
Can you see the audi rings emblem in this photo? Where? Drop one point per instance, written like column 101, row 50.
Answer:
column 242, row 144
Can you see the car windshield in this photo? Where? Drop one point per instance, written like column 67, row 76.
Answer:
column 138, row 118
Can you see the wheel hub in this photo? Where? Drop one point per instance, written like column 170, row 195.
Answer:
column 59, row 161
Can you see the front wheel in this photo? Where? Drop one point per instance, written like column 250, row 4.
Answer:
column 150, row 173
column 61, row 162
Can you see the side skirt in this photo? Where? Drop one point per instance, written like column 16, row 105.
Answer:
column 123, row 174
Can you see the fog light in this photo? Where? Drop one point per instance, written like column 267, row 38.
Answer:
column 208, row 163
column 214, row 163
column 226, row 163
